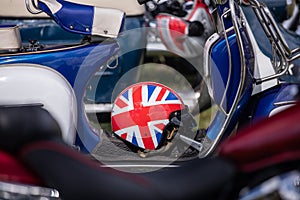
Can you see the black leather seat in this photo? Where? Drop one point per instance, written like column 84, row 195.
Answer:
column 21, row 124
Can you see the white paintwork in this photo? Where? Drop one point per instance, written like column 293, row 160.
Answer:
column 10, row 38
column 107, row 22
column 263, row 65
column 206, row 59
column 53, row 5
column 31, row 84
column 279, row 109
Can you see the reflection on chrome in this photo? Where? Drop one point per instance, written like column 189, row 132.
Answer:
column 22, row 191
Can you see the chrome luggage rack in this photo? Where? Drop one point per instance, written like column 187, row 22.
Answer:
column 282, row 57
column 282, row 54
column 32, row 7
column 233, row 13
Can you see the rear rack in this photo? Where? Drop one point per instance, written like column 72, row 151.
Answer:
column 282, row 57
column 282, row 54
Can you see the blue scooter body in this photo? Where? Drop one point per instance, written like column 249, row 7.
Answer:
column 231, row 67
column 77, row 60
column 76, row 64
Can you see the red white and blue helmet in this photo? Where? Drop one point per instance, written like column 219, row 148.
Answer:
column 141, row 112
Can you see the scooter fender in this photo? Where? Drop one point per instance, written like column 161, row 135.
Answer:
column 26, row 84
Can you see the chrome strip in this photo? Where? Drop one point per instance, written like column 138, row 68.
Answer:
column 36, row 8
column 241, row 83
column 224, row 15
column 139, row 165
column 62, row 48
column 98, row 108
column 285, row 103
column 14, row 189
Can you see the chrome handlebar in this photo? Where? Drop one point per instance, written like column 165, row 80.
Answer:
column 32, row 7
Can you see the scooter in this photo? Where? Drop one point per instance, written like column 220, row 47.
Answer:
column 35, row 153
column 262, row 161
column 250, row 66
column 249, row 77
column 41, row 30
column 252, row 86
column 246, row 82
column 224, row 122
column 56, row 76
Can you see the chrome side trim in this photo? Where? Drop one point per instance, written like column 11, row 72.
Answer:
column 20, row 191
column 229, row 114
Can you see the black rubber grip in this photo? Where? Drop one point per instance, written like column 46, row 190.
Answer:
column 141, row 2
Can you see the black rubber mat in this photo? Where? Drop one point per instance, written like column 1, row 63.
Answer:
column 113, row 150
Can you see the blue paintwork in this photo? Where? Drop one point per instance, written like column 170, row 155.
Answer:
column 220, row 71
column 256, row 107
column 102, row 91
column 66, row 61
column 262, row 104
column 73, row 17
column 77, row 65
column 219, row 66
column 79, row 17
column 6, row 26
column 279, row 8
column 46, row 31
column 220, row 63
column 292, row 39
column 221, row 9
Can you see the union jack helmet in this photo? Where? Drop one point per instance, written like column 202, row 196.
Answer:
column 141, row 112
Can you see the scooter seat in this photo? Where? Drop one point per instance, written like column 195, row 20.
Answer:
column 84, row 19
column 12, row 170
column 22, row 124
column 77, row 177
column 272, row 141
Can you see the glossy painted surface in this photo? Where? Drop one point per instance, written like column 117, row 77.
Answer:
column 280, row 97
column 222, row 72
column 226, row 69
column 67, row 61
column 101, row 85
column 231, row 79
column 77, row 65
column 292, row 39
column 46, row 31
column 249, row 108
column 23, row 84
column 85, row 19
column 129, row 56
